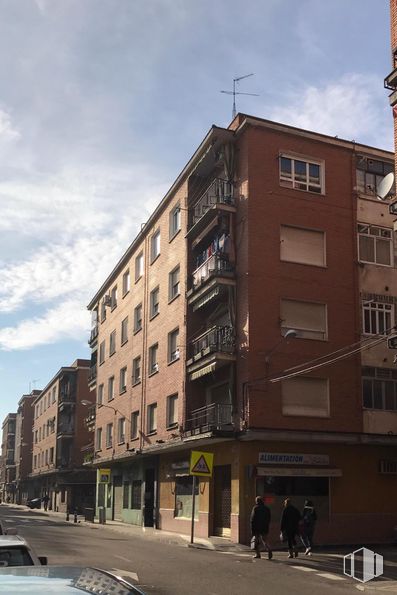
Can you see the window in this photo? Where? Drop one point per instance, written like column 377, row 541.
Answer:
column 54, row 394
column 101, row 353
column 174, row 288
column 103, row 310
column 113, row 298
column 35, row 461
column 370, row 172
column 111, row 388
column 175, row 221
column 100, row 395
column 375, row 244
column 136, row 494
column 379, row 388
column 301, row 174
column 183, row 497
column 126, row 282
column 98, row 439
column 172, row 411
column 123, row 380
column 378, row 318
column 134, row 424
column 121, row 430
column 138, row 318
column 136, row 370
column 46, row 457
column 126, row 493
column 154, row 302
column 109, row 435
column 152, row 418
column 139, row 266
column 307, row 318
column 155, row 246
column 173, row 345
column 124, row 331
column 153, row 363
column 303, row 246
column 112, row 343
column 51, row 455
column 308, row 397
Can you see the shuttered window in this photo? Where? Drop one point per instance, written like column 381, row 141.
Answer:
column 302, row 245
column 307, row 397
column 308, row 318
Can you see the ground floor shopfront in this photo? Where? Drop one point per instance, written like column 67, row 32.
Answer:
column 353, row 487
column 68, row 491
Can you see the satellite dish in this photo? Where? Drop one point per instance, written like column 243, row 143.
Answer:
column 385, row 186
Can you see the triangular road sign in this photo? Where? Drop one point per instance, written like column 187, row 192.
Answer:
column 201, row 466
column 201, row 463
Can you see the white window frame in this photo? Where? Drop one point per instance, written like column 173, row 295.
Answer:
column 293, row 181
column 137, row 327
column 126, row 282
column 98, row 439
column 139, row 266
column 121, row 430
column 380, row 377
column 175, row 221
column 136, row 366
column 153, row 359
column 172, row 410
column 123, row 380
column 174, row 285
column 155, row 302
column 364, row 230
column 113, row 298
column 109, row 435
column 111, row 388
column 155, row 246
column 173, row 350
column 378, row 316
column 102, row 352
column 152, row 418
column 134, row 429
column 101, row 390
column 124, row 330
column 112, row 343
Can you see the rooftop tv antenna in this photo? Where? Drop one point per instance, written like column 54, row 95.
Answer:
column 234, row 92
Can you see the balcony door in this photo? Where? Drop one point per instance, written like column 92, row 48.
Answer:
column 222, row 504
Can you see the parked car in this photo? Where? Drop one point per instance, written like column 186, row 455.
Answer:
column 64, row 580
column 15, row 551
column 33, row 503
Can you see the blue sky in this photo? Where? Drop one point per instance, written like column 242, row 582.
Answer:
column 102, row 104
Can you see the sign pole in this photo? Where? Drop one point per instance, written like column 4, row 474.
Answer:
column 193, row 508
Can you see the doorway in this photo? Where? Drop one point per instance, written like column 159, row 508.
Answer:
column 222, row 500
column 149, row 498
column 117, row 498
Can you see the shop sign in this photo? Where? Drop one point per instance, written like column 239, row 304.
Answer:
column 180, row 465
column 284, row 458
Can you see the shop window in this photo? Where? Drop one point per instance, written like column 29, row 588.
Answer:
column 183, row 497
column 126, row 493
column 304, row 246
column 136, row 494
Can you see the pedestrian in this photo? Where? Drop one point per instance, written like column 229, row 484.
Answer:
column 290, row 526
column 260, row 521
column 309, row 518
column 45, row 499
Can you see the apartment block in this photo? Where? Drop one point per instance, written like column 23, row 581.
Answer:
column 8, row 458
column 249, row 318
column 59, row 437
column 24, row 446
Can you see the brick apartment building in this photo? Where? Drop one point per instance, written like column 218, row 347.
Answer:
column 269, row 257
column 24, row 446
column 59, row 435
column 8, row 458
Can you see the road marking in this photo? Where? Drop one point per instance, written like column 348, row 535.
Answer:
column 305, row 568
column 333, row 577
column 122, row 558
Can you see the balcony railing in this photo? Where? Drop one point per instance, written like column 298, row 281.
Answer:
column 92, row 373
column 65, row 429
column 218, row 338
column 390, row 81
column 214, row 265
column 93, row 334
column 219, row 192
column 215, row 416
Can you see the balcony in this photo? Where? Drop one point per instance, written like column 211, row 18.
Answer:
column 390, row 81
column 213, row 417
column 65, row 430
column 210, row 280
column 89, row 420
column 93, row 335
column 210, row 351
column 218, row 195
column 92, row 374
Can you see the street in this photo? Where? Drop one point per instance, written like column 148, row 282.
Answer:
column 165, row 564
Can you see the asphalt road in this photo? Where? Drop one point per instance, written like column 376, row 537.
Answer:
column 166, row 568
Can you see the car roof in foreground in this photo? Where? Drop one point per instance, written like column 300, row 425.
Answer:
column 12, row 540
column 63, row 580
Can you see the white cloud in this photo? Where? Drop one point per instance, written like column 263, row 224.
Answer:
column 7, row 131
column 66, row 321
column 352, row 107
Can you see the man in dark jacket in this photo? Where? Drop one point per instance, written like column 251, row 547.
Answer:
column 260, row 521
column 290, row 526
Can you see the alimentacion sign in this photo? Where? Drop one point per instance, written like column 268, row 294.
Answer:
column 284, row 458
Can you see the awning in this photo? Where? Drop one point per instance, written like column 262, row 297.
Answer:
column 203, row 371
column 205, row 298
column 299, row 472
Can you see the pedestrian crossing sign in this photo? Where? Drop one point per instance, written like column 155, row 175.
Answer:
column 103, row 475
column 201, row 463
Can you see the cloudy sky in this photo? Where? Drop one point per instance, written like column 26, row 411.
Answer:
column 102, row 102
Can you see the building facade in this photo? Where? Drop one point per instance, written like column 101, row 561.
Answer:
column 250, row 318
column 24, row 446
column 8, row 458
column 59, row 434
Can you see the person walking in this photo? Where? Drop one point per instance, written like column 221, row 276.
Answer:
column 260, row 521
column 290, row 526
column 309, row 518
column 45, row 499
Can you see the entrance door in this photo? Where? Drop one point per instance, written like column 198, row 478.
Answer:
column 222, row 500
column 149, row 498
column 117, row 498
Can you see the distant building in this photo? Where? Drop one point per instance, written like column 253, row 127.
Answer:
column 8, row 458
column 269, row 257
column 23, row 446
column 59, row 433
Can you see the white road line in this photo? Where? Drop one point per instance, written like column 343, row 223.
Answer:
column 305, row 568
column 333, row 577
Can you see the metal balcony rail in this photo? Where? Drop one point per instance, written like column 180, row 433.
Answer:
column 213, row 416
column 218, row 338
column 92, row 373
column 65, row 429
column 219, row 191
column 93, row 334
column 215, row 264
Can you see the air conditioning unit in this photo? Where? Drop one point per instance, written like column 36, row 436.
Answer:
column 107, row 300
